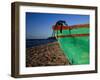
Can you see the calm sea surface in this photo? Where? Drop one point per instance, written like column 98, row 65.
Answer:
column 36, row 42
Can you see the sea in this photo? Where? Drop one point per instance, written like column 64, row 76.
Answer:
column 36, row 42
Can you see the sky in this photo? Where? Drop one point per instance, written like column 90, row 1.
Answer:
column 39, row 25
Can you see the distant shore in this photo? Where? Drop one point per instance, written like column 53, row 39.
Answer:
column 48, row 54
column 37, row 42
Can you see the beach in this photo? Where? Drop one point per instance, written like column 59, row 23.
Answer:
column 49, row 54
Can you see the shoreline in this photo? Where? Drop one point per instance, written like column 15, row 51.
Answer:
column 48, row 54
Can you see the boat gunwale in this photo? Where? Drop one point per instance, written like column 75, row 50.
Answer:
column 71, row 27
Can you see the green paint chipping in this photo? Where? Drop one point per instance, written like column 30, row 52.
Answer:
column 76, row 49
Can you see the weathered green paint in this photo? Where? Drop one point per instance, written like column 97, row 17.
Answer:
column 76, row 49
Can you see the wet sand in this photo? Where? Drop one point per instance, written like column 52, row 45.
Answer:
column 45, row 55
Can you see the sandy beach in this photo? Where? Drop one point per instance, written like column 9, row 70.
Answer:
column 48, row 54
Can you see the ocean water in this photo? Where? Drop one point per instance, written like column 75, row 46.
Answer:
column 36, row 42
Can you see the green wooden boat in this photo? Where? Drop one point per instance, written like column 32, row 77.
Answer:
column 74, row 41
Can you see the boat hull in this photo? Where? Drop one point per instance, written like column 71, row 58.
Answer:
column 74, row 42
